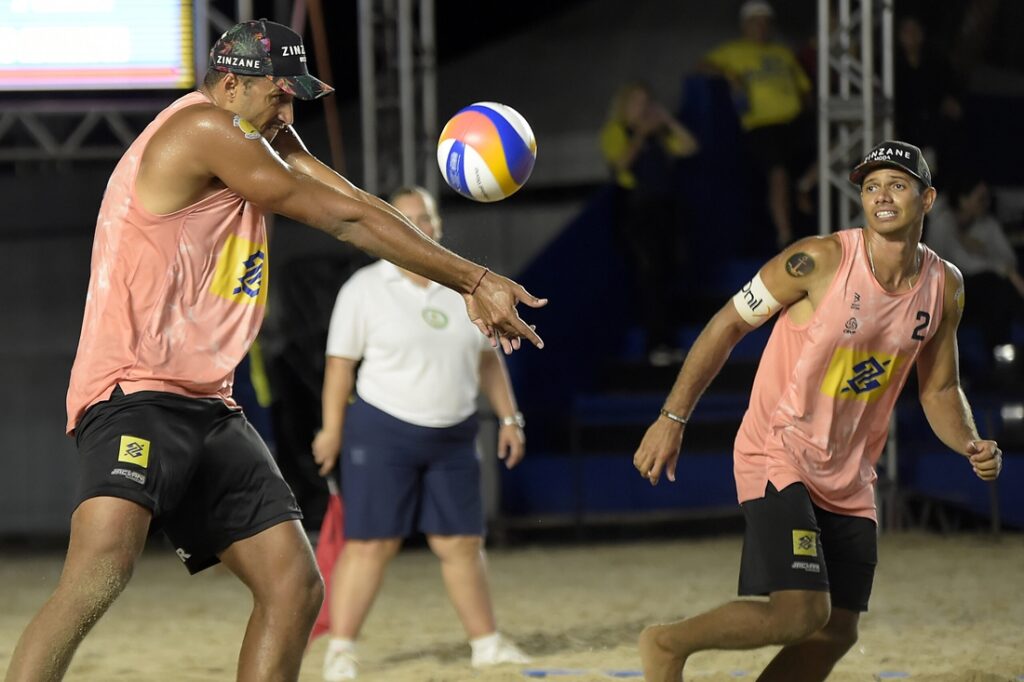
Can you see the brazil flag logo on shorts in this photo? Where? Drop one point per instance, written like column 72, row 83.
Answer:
column 805, row 543
column 134, row 450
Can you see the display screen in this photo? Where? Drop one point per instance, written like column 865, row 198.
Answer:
column 96, row 44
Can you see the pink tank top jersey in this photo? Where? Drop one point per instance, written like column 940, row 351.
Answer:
column 174, row 301
column 820, row 406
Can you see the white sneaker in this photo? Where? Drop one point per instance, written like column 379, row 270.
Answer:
column 495, row 650
column 340, row 662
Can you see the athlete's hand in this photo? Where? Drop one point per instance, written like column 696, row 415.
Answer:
column 986, row 459
column 326, row 447
column 492, row 308
column 659, row 450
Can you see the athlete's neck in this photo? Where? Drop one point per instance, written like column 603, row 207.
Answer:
column 895, row 260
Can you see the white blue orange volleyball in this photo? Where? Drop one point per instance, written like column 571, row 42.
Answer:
column 486, row 151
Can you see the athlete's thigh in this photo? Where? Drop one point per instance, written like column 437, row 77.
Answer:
column 236, row 492
column 272, row 558
column 782, row 547
column 850, row 545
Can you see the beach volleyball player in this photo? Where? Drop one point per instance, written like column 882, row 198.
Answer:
column 176, row 297
column 859, row 308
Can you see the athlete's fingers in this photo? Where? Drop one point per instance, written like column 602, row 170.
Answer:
column 655, row 473
column 670, row 468
column 506, row 345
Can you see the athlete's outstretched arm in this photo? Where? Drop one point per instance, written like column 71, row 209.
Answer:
column 942, row 398
column 254, row 170
column 293, row 151
column 786, row 279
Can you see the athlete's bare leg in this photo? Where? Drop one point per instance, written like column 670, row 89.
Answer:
column 465, row 577
column 787, row 617
column 277, row 565
column 812, row 659
column 355, row 581
column 107, row 536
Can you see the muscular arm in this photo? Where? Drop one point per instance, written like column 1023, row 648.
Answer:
column 799, row 275
column 293, row 152
column 253, row 170
column 943, row 400
column 201, row 146
column 938, row 372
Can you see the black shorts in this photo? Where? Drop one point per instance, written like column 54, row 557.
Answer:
column 197, row 464
column 792, row 544
column 782, row 144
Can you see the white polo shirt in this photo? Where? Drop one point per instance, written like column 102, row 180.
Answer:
column 420, row 352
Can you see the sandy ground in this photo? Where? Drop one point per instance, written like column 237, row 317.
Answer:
column 945, row 609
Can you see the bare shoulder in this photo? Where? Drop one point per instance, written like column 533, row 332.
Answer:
column 953, row 291
column 812, row 256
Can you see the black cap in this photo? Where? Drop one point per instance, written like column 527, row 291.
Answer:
column 266, row 48
column 894, row 154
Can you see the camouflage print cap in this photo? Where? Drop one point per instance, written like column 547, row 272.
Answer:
column 266, row 48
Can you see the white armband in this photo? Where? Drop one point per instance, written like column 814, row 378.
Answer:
column 755, row 303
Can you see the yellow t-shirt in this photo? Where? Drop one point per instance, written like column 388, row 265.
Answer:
column 615, row 141
column 773, row 80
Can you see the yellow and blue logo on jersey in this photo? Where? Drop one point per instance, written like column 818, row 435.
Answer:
column 805, row 543
column 134, row 450
column 241, row 274
column 859, row 375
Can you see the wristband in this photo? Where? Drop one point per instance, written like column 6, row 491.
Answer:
column 673, row 417
column 482, row 275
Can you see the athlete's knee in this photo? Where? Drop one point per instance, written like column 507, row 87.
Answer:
column 299, row 584
column 841, row 632
column 456, row 547
column 378, row 550
column 798, row 614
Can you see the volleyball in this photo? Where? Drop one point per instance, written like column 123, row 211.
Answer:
column 486, row 151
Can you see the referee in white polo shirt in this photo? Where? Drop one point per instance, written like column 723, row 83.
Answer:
column 407, row 442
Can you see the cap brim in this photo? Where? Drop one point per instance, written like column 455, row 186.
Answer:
column 303, row 87
column 858, row 174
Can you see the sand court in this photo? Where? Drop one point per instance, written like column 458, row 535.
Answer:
column 944, row 609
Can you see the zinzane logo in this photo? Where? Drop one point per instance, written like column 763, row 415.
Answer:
column 238, row 61
column 293, row 50
column 888, row 153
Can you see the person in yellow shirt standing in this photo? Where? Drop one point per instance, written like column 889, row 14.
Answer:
column 770, row 89
column 640, row 142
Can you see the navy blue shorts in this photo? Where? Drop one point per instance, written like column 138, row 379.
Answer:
column 793, row 544
column 197, row 464
column 397, row 478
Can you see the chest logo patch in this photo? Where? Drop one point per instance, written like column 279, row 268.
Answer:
column 241, row 274
column 435, row 318
column 859, row 375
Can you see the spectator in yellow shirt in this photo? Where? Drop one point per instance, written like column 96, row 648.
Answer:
column 770, row 89
column 641, row 141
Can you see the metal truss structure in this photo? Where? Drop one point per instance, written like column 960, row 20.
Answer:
column 855, row 98
column 398, row 94
column 70, row 129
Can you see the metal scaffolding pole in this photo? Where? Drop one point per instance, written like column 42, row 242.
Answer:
column 855, row 88
column 398, row 92
column 53, row 128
